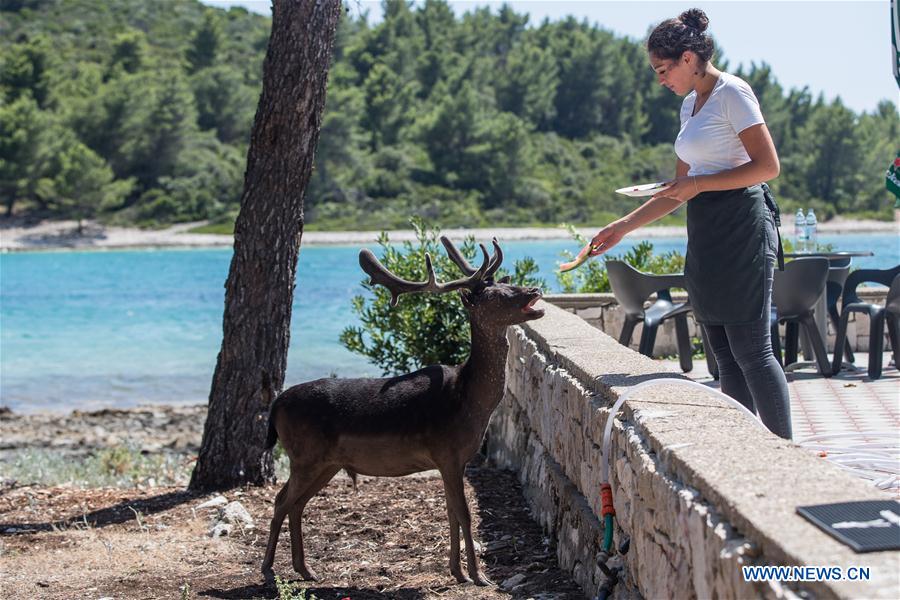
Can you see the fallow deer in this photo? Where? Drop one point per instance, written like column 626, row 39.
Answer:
column 433, row 418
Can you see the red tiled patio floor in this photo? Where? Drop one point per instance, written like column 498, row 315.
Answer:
column 847, row 403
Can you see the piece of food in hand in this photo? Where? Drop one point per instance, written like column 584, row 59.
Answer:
column 578, row 260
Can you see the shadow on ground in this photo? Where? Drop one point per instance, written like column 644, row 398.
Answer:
column 514, row 543
column 112, row 515
column 90, row 234
column 321, row 593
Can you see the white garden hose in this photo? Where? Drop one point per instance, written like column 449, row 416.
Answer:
column 871, row 455
column 607, row 440
column 607, row 509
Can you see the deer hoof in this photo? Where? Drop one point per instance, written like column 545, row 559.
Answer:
column 480, row 579
column 306, row 573
column 460, row 578
column 269, row 577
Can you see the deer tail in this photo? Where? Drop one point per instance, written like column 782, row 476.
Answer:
column 272, row 401
column 272, row 435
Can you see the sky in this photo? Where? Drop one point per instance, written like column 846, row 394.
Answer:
column 838, row 48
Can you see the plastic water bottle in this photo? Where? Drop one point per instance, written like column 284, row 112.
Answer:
column 799, row 231
column 811, row 235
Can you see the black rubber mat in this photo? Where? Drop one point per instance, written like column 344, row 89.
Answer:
column 866, row 526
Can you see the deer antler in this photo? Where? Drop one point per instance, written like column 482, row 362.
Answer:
column 397, row 285
column 460, row 261
column 495, row 261
column 456, row 256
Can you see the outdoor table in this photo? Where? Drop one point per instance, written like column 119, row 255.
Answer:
column 821, row 310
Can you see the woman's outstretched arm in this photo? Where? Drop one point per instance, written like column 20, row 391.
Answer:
column 763, row 166
column 655, row 208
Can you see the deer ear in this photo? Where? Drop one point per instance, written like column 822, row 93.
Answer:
column 504, row 279
column 466, row 297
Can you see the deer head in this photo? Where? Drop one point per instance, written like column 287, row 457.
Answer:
column 490, row 303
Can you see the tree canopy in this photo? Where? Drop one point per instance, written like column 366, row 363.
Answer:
column 140, row 112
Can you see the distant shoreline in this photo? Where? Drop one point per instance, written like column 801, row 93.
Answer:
column 16, row 236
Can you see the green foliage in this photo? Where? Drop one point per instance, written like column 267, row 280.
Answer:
column 592, row 277
column 224, row 103
column 288, row 590
column 129, row 51
column 477, row 120
column 204, row 43
column 21, row 138
column 204, row 182
column 106, row 107
column 161, row 131
column 422, row 329
column 76, row 182
column 524, row 274
column 24, row 70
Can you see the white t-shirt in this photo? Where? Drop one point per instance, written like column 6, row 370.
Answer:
column 709, row 141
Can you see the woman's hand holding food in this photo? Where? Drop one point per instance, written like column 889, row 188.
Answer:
column 606, row 238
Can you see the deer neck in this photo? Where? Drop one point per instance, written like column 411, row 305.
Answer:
column 485, row 369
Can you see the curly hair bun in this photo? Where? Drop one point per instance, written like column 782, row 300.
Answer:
column 695, row 19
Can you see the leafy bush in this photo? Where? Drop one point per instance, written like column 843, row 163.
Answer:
column 290, row 590
column 592, row 277
column 423, row 329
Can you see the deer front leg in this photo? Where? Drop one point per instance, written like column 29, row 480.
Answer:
column 455, row 569
column 298, row 558
column 456, row 502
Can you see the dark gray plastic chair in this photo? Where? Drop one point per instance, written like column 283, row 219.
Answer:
column 632, row 289
column 838, row 270
column 892, row 318
column 878, row 315
column 795, row 293
column 711, row 363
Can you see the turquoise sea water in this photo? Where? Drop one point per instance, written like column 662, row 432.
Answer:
column 120, row 328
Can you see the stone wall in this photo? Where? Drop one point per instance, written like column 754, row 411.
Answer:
column 699, row 489
column 603, row 312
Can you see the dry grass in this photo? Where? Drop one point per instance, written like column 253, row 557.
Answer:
column 388, row 540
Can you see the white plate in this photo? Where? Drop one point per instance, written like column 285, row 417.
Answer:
column 647, row 189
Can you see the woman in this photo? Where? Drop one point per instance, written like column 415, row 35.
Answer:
column 724, row 153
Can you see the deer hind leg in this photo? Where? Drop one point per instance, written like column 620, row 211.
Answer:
column 284, row 500
column 274, row 528
column 456, row 502
column 295, row 514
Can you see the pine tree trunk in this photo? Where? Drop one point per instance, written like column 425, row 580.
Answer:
column 260, row 286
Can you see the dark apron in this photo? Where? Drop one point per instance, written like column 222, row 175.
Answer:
column 728, row 239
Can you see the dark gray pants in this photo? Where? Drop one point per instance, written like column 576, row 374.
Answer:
column 748, row 371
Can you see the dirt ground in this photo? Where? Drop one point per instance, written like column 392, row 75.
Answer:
column 388, row 540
